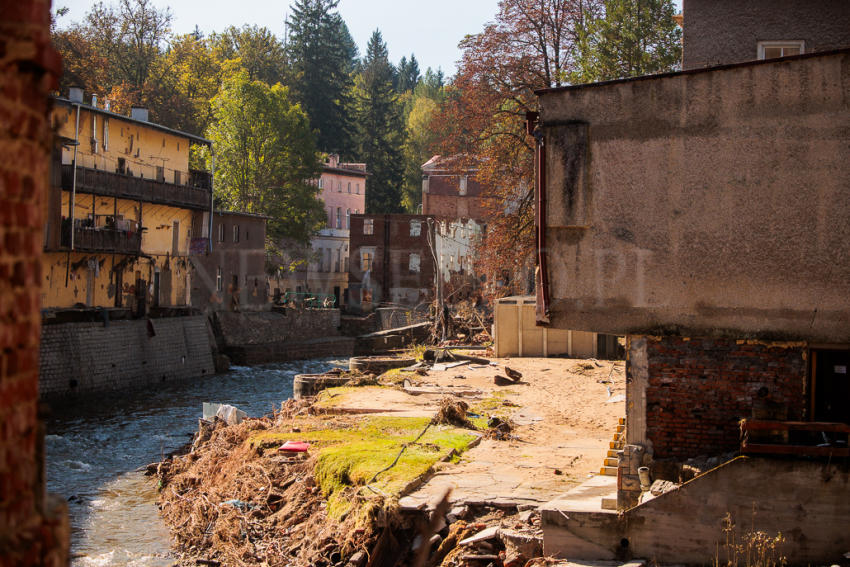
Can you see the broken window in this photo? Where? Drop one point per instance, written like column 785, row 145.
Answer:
column 413, row 263
column 415, row 228
column 368, row 226
column 348, row 219
column 339, row 217
column 218, row 278
column 366, row 261
column 221, row 232
column 235, row 233
column 462, row 187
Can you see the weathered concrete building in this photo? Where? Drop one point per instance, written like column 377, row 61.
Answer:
column 231, row 274
column 121, row 211
column 719, row 32
column 451, row 192
column 703, row 215
column 391, row 260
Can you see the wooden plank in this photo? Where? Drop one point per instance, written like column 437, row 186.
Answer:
column 799, row 450
column 765, row 425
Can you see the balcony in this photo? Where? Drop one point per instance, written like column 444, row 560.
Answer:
column 90, row 239
column 196, row 195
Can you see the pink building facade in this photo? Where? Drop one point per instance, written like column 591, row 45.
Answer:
column 343, row 190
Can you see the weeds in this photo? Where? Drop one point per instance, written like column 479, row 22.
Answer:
column 753, row 549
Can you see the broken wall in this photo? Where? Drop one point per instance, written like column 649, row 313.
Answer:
column 702, row 203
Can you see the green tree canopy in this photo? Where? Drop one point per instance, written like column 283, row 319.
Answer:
column 632, row 38
column 255, row 49
column 323, row 58
column 381, row 130
column 266, row 157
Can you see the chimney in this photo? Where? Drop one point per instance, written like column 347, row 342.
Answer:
column 139, row 113
column 94, row 100
column 75, row 94
column 107, row 105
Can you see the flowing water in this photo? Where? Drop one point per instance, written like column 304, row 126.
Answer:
column 96, row 445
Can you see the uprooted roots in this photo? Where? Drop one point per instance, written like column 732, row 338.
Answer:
column 453, row 412
column 239, row 505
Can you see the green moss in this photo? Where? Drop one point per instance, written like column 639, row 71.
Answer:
column 393, row 376
column 350, row 457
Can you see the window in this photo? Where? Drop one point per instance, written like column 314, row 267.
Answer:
column 339, row 217
column 337, row 257
column 320, row 259
column 357, row 188
column 368, row 226
column 348, row 218
column 106, row 134
column 339, row 186
column 774, row 49
column 321, row 183
column 235, row 233
column 413, row 263
column 345, row 260
column 349, row 186
column 462, row 188
column 218, row 278
column 415, row 228
column 366, row 261
column 176, row 177
column 221, row 232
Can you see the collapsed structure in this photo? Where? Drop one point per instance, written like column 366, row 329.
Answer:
column 703, row 215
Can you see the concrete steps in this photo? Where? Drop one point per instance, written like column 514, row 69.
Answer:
column 608, row 471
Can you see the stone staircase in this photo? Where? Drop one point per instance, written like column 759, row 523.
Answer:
column 609, row 467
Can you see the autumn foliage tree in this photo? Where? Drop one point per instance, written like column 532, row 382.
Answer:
column 535, row 44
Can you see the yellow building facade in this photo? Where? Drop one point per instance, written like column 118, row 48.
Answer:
column 123, row 212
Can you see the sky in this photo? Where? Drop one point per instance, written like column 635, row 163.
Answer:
column 430, row 29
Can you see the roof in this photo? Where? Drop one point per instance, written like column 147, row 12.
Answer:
column 844, row 50
column 346, row 171
column 110, row 114
column 242, row 214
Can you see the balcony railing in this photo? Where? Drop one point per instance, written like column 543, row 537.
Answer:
column 107, row 183
column 103, row 240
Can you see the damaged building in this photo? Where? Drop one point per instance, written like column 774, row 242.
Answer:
column 121, row 211
column 703, row 215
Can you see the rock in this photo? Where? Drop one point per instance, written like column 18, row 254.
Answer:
column 485, row 534
column 513, row 374
column 502, row 381
column 517, row 543
column 659, row 487
column 358, row 559
column 221, row 362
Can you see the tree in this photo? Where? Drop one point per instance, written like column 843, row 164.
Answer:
column 420, row 136
column 323, row 58
column 381, row 131
column 254, row 49
column 531, row 44
column 407, row 76
column 634, row 37
column 266, row 157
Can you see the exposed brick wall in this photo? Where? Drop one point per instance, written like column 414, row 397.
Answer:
column 89, row 357
column 699, row 389
column 33, row 529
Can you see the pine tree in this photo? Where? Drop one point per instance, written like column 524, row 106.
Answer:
column 408, row 74
column 323, row 58
column 379, row 118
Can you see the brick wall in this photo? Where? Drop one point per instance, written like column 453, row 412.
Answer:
column 33, row 528
column 698, row 390
column 89, row 357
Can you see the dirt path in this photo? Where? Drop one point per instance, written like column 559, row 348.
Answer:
column 564, row 411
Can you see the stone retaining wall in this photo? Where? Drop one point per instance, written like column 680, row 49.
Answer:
column 89, row 357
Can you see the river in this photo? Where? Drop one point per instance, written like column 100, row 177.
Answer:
column 95, row 446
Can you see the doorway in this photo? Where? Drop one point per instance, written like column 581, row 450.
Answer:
column 336, row 297
column 830, row 385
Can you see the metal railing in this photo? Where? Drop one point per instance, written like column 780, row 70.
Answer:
column 110, row 184
column 306, row 299
column 103, row 240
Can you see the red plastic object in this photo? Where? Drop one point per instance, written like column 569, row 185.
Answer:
column 294, row 447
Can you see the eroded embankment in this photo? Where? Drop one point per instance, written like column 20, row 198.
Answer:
column 236, row 499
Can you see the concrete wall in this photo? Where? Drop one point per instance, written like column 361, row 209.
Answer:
column 717, row 32
column 805, row 501
column 90, row 357
column 34, row 528
column 702, row 203
column 288, row 334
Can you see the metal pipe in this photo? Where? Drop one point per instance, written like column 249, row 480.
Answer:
column 212, row 205
column 73, row 200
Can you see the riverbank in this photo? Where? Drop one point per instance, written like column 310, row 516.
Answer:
column 372, row 481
